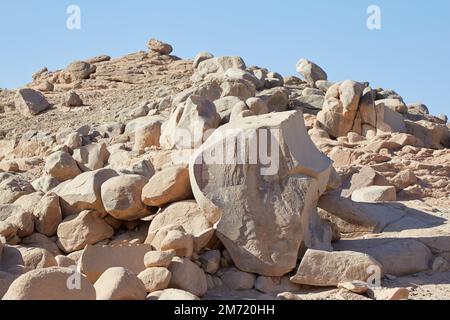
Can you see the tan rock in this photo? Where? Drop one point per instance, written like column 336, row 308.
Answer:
column 236, row 279
column 12, row 187
column 49, row 284
column 201, row 56
column 47, row 214
column 433, row 135
column 65, row 262
column 389, row 120
column 399, row 257
column 216, row 67
column 20, row 221
column 169, row 185
column 310, row 71
column 29, row 201
column 159, row 46
column 159, row 258
column 182, row 243
column 248, row 231
column 73, row 141
column 326, row 269
column 93, row 156
column 185, row 214
column 38, row 240
column 366, row 177
column 375, row 194
column 404, row 179
column 83, row 192
column 72, row 99
column 187, row 276
column 190, row 124
column 340, row 108
column 61, row 166
column 80, row 70
column 6, row 147
column 30, row 102
column 45, row 183
column 8, row 231
column 367, row 109
column 388, row 293
column 210, row 261
column 257, row 105
column 172, row 294
column 75, row 256
column 77, row 231
column 224, row 107
column 147, row 136
column 276, row 99
column 121, row 197
column 36, row 258
column 119, row 284
column 155, row 279
column 396, row 105
column 355, row 286
column 97, row 259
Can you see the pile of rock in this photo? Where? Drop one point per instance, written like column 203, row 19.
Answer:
column 232, row 180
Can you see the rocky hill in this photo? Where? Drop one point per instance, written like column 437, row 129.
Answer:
column 150, row 176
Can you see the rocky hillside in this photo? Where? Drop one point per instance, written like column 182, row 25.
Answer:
column 153, row 177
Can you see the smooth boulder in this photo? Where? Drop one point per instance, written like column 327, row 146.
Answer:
column 121, row 197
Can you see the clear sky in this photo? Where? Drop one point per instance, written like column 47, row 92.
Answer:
column 410, row 54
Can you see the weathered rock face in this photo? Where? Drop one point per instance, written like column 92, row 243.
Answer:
column 189, row 124
column 247, row 201
column 389, row 120
column 83, row 192
column 49, row 284
column 398, row 257
column 30, row 102
column 121, row 197
column 432, row 134
column 320, row 268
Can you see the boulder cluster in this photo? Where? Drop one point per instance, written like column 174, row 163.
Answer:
column 137, row 177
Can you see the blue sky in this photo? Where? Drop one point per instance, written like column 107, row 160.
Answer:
column 410, row 54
